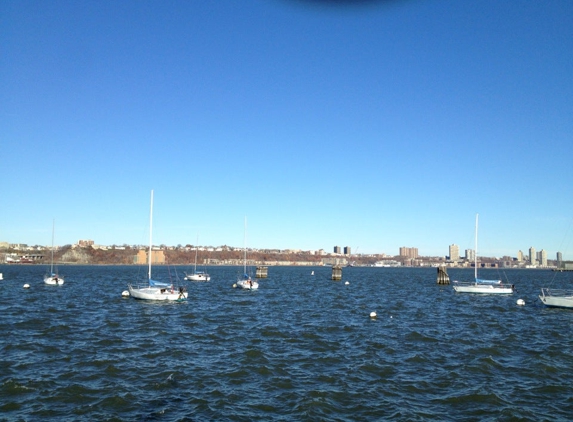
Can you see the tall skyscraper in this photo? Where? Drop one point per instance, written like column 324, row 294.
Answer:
column 470, row 255
column 532, row 256
column 519, row 256
column 347, row 250
column 337, row 249
column 559, row 258
column 454, row 253
column 409, row 252
column 543, row 257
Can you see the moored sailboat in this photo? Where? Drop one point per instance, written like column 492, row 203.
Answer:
column 197, row 275
column 156, row 290
column 53, row 278
column 480, row 285
column 246, row 282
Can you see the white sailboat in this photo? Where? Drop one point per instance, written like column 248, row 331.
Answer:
column 155, row 290
column 556, row 298
column 480, row 285
column 246, row 282
column 53, row 278
column 197, row 275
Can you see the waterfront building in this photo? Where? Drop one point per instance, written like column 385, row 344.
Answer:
column 543, row 257
column 519, row 256
column 532, row 256
column 559, row 259
column 347, row 250
column 470, row 255
column 409, row 252
column 337, row 249
column 454, row 253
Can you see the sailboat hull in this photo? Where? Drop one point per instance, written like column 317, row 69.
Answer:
column 53, row 281
column 488, row 289
column 557, row 298
column 198, row 277
column 248, row 284
column 156, row 293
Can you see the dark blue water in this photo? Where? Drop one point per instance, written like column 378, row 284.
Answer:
column 302, row 348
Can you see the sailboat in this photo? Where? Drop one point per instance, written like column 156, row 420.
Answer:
column 197, row 275
column 246, row 282
column 155, row 290
column 53, row 278
column 480, row 285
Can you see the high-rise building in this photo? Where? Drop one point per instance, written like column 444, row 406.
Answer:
column 543, row 257
column 454, row 253
column 470, row 255
column 532, row 256
column 337, row 249
column 519, row 256
column 559, row 258
column 347, row 250
column 409, row 252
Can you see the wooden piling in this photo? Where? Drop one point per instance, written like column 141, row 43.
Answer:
column 336, row 272
column 443, row 277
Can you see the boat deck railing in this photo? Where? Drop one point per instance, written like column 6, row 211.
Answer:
column 565, row 293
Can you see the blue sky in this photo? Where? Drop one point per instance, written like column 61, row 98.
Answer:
column 375, row 126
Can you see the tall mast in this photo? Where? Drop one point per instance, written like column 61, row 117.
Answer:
column 52, row 261
column 245, row 248
column 476, row 251
column 150, row 231
column 196, row 248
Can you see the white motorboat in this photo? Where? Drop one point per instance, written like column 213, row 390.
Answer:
column 152, row 289
column 479, row 285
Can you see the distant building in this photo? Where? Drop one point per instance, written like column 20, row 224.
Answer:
column 519, row 256
column 347, row 250
column 543, row 257
column 157, row 257
column 454, row 253
column 85, row 243
column 559, row 258
column 409, row 252
column 337, row 249
column 470, row 255
column 532, row 256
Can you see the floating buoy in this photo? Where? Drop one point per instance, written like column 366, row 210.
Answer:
column 26, row 286
column 235, row 286
column 346, row 282
column 373, row 314
column 520, row 302
column 125, row 293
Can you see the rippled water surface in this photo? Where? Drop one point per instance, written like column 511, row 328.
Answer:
column 302, row 347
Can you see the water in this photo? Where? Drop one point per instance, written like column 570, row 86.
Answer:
column 301, row 348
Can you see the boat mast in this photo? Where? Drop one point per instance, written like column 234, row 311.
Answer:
column 476, row 252
column 52, row 261
column 196, row 247
column 245, row 248
column 150, row 229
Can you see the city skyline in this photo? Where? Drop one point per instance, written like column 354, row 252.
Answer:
column 375, row 126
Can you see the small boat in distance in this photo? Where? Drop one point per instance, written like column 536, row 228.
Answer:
column 197, row 275
column 246, row 282
column 52, row 278
column 156, row 290
column 480, row 285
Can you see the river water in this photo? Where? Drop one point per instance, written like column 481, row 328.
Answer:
column 302, row 347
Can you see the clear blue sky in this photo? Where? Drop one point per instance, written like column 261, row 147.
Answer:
column 374, row 126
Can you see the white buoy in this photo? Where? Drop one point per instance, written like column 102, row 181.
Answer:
column 520, row 302
column 373, row 314
column 125, row 293
column 347, row 282
column 26, row 286
column 235, row 286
